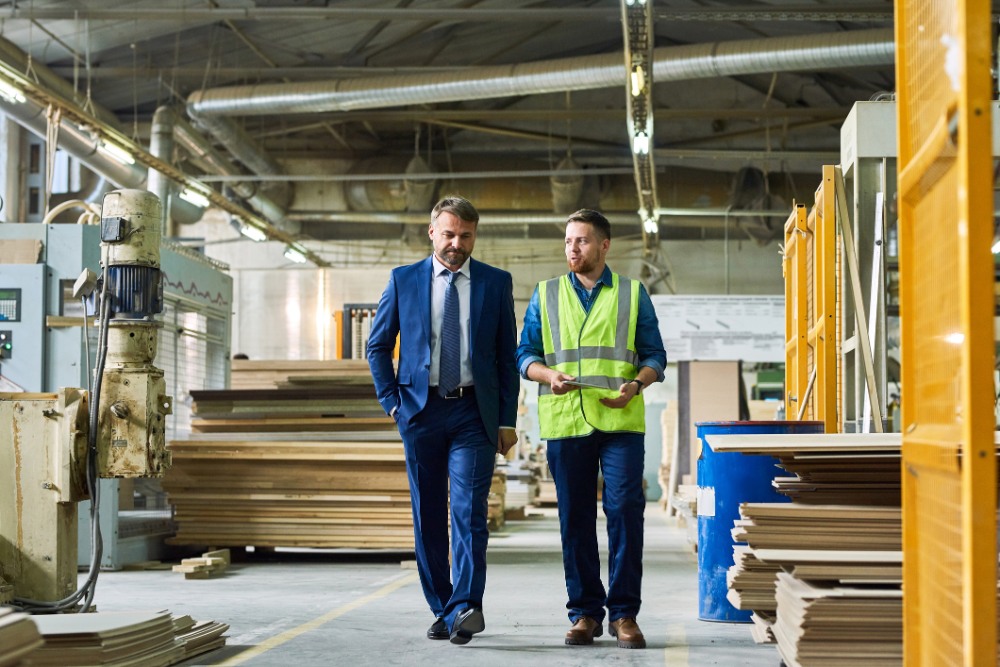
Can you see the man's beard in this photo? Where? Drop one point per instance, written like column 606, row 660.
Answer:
column 453, row 257
column 583, row 265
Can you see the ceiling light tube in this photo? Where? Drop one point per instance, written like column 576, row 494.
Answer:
column 295, row 255
column 116, row 152
column 253, row 233
column 640, row 143
column 194, row 197
column 11, row 93
column 638, row 78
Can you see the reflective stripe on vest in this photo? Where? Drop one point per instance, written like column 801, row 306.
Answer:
column 597, row 348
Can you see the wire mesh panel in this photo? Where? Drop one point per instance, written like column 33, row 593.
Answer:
column 811, row 335
column 946, row 310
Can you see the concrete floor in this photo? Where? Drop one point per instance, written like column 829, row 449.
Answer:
column 335, row 608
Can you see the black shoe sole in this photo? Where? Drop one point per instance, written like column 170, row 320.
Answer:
column 471, row 624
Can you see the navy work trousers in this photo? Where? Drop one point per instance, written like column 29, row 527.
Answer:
column 574, row 463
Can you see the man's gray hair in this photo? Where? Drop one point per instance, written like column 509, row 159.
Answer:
column 460, row 207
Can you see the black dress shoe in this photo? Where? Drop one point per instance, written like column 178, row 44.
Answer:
column 467, row 623
column 438, row 629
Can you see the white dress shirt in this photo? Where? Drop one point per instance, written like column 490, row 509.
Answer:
column 438, row 286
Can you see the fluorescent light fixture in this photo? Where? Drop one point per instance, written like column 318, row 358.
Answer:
column 956, row 338
column 631, row 3
column 996, row 248
column 194, row 197
column 650, row 227
column 294, row 254
column 253, row 233
column 640, row 143
column 116, row 152
column 11, row 93
column 638, row 78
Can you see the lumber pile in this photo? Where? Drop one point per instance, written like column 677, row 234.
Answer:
column 522, row 485
column 276, row 373
column 495, row 504
column 19, row 638
column 300, row 455
column 288, row 492
column 207, row 565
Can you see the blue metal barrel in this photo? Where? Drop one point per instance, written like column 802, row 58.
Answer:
column 724, row 481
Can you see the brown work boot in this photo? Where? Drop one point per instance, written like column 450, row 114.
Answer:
column 628, row 633
column 584, row 631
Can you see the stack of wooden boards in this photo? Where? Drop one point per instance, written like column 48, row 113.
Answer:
column 209, row 564
column 300, row 455
column 19, row 637
column 823, row 573
column 495, row 503
column 142, row 639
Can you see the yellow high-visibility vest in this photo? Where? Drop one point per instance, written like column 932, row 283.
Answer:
column 597, row 348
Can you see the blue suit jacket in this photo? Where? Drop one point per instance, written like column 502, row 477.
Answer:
column 405, row 309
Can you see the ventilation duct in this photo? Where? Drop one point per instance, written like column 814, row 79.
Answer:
column 859, row 48
column 567, row 189
column 83, row 147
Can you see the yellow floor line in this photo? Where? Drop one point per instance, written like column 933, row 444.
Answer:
column 676, row 652
column 288, row 635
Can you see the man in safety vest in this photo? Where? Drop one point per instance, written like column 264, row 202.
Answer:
column 592, row 342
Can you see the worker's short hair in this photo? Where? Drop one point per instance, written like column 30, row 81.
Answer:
column 594, row 219
column 460, row 207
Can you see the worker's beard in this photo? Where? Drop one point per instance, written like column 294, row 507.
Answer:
column 582, row 265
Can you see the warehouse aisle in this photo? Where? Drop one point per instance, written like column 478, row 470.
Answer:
column 331, row 608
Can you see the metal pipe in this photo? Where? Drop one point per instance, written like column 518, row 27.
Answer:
column 161, row 145
column 859, row 48
column 198, row 146
column 526, row 218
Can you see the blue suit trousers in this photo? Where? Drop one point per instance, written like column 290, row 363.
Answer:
column 447, row 441
column 574, row 463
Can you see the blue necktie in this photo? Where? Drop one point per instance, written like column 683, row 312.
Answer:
column 451, row 340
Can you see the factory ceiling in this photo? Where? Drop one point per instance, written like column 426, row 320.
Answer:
column 527, row 106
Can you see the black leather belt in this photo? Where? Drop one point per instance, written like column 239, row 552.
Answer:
column 461, row 392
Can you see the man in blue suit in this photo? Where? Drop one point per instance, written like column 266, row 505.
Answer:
column 454, row 399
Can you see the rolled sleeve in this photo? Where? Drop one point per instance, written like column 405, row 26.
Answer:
column 531, row 348
column 648, row 342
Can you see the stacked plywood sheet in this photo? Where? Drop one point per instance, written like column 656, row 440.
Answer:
column 270, row 374
column 199, row 637
column 137, row 638
column 289, row 492
column 495, row 508
column 19, row 637
column 825, row 624
column 828, row 469
column 134, row 638
column 843, row 528
column 302, row 455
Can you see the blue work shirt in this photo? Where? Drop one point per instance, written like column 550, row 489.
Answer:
column 648, row 343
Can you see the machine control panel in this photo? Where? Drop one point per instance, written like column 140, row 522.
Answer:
column 10, row 304
column 6, row 344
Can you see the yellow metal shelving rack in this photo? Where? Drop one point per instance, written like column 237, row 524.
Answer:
column 946, row 309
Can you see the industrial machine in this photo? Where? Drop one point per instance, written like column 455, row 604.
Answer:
column 60, row 443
